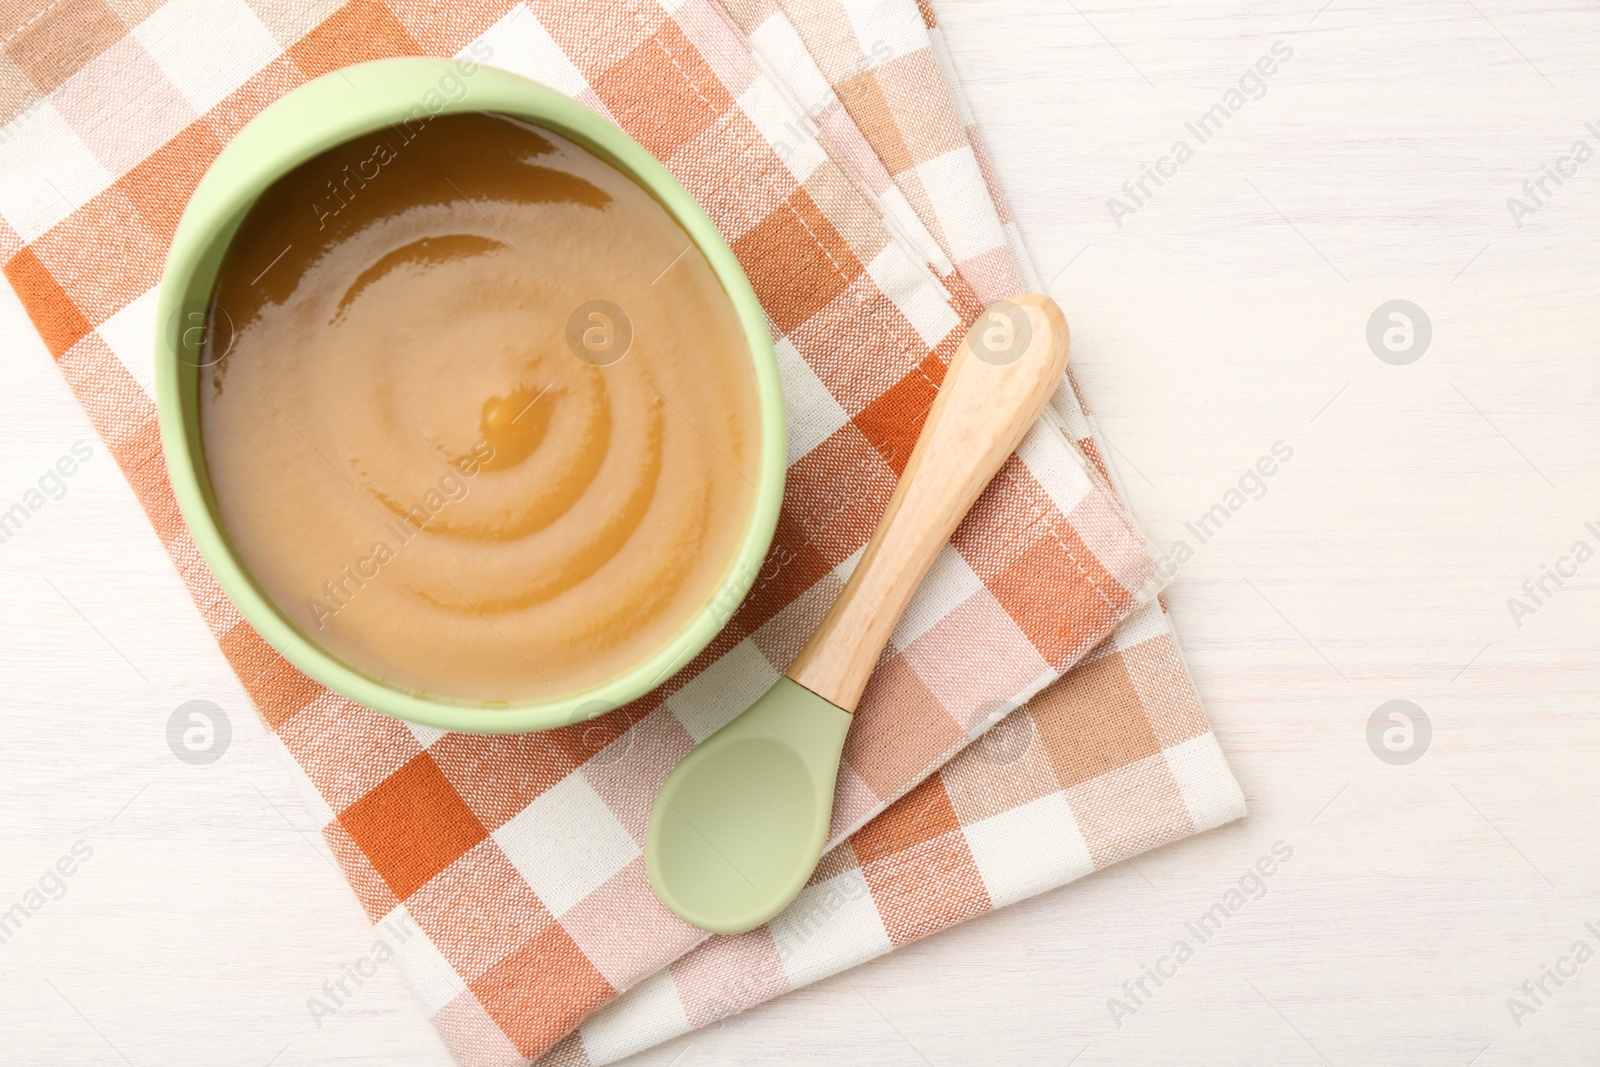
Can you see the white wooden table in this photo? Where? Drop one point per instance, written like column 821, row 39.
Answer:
column 1227, row 313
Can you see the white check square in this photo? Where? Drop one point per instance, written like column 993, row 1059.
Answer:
column 1029, row 849
column 206, row 48
column 566, row 843
column 46, row 171
column 1208, row 787
column 813, row 413
column 521, row 45
column 131, row 336
column 970, row 223
column 914, row 292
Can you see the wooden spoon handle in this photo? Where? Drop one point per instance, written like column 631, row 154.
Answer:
column 1005, row 370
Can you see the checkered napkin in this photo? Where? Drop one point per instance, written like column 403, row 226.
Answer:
column 518, row 857
column 1112, row 760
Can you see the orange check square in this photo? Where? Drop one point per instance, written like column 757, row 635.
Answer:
column 412, row 826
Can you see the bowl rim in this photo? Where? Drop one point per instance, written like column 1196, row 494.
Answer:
column 331, row 110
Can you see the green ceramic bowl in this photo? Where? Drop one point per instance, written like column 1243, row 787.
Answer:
column 327, row 112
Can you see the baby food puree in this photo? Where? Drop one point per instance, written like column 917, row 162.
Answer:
column 478, row 416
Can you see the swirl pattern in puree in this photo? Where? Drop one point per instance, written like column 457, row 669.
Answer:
column 479, row 418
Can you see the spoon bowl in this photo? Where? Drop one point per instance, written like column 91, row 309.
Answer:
column 745, row 815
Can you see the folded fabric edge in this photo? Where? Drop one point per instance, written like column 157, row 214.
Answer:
column 840, row 920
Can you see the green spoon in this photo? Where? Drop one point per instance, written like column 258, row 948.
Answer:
column 740, row 823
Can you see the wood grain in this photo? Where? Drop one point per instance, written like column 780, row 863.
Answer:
column 1377, row 565
column 985, row 405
